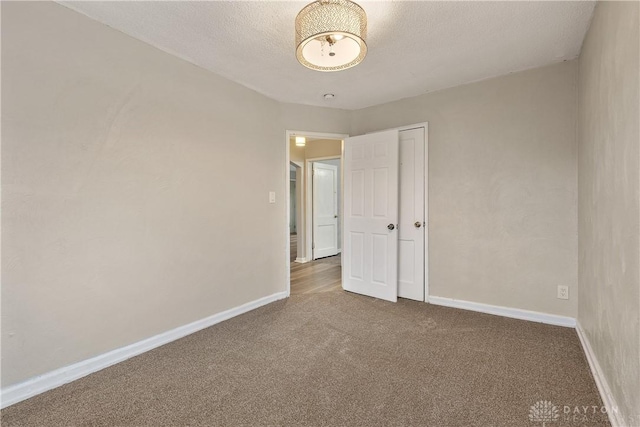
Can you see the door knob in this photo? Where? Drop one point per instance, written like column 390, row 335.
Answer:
column 418, row 224
column 391, row 226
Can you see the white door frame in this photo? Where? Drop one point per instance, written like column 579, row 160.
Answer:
column 308, row 167
column 287, row 178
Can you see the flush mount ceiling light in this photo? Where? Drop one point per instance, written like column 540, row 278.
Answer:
column 301, row 141
column 330, row 35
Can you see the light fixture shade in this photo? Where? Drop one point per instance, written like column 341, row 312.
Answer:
column 330, row 35
column 301, row 141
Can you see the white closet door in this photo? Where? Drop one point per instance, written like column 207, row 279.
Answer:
column 411, row 245
column 370, row 259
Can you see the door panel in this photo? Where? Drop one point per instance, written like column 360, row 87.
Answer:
column 411, row 271
column 357, row 193
column 370, row 205
column 356, row 255
column 325, row 210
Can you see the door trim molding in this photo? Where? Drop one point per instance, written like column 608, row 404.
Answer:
column 287, row 177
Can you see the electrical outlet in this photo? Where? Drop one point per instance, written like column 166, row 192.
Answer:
column 563, row 292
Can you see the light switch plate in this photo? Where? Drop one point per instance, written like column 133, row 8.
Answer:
column 272, row 196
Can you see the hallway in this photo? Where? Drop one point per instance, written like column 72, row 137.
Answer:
column 321, row 275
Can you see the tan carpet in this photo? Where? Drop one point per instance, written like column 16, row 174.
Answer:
column 337, row 359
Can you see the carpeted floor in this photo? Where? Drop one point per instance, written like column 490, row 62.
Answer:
column 337, row 359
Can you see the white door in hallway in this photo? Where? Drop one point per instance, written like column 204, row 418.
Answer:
column 325, row 210
column 411, row 233
column 370, row 258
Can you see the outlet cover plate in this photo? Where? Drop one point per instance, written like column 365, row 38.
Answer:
column 563, row 292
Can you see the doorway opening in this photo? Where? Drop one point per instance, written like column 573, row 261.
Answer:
column 370, row 206
column 314, row 211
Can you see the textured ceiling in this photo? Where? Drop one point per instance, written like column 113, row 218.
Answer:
column 414, row 47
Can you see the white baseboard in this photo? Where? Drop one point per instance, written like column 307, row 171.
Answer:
column 40, row 384
column 516, row 313
column 301, row 260
column 615, row 418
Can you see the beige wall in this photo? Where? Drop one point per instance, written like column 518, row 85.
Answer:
column 116, row 215
column 315, row 149
column 323, row 148
column 119, row 221
column 296, row 153
column 609, row 191
column 502, row 186
column 314, row 119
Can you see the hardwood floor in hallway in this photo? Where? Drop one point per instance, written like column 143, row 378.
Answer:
column 321, row 275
